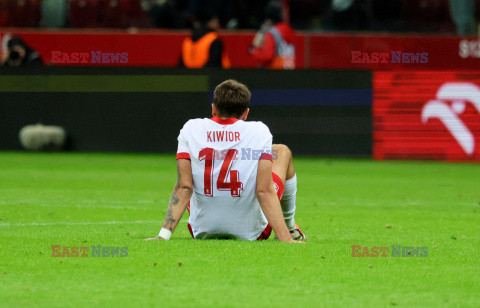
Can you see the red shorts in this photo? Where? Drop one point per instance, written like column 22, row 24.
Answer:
column 279, row 188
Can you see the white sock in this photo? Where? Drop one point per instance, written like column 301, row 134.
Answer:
column 288, row 202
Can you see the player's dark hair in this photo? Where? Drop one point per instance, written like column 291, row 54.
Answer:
column 231, row 98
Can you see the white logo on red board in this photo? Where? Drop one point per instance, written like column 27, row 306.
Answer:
column 458, row 93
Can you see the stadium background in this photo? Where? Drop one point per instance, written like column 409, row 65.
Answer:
column 341, row 117
column 325, row 109
column 331, row 94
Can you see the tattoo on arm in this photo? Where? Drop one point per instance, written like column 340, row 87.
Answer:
column 179, row 175
column 169, row 220
column 174, row 200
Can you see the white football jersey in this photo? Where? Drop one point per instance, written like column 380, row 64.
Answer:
column 224, row 154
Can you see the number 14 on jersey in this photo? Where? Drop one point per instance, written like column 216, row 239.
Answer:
column 234, row 186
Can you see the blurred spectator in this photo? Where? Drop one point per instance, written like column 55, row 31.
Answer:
column 463, row 14
column 19, row 54
column 54, row 13
column 330, row 15
column 204, row 48
column 273, row 45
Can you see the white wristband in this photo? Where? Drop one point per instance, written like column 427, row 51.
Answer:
column 165, row 234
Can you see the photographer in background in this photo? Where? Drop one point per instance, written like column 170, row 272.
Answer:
column 273, row 45
column 18, row 53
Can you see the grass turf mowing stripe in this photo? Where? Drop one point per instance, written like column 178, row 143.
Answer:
column 103, row 83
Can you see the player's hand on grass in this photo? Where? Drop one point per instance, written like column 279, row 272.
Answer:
column 155, row 238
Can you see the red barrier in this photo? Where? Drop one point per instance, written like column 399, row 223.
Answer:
column 426, row 115
column 151, row 48
column 334, row 51
column 161, row 49
column 326, row 51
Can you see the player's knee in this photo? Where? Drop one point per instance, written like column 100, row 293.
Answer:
column 281, row 150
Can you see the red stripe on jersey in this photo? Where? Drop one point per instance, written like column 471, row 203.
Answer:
column 224, row 121
column 266, row 156
column 183, row 155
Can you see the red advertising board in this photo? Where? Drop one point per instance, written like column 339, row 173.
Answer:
column 153, row 48
column 162, row 48
column 426, row 115
column 336, row 51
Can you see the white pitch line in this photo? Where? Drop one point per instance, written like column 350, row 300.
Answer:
column 66, row 223
column 113, row 205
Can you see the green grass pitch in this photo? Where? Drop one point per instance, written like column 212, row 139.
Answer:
column 117, row 200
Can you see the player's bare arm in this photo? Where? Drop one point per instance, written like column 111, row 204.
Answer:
column 182, row 192
column 267, row 197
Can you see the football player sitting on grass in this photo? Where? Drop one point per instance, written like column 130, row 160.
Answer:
column 233, row 181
